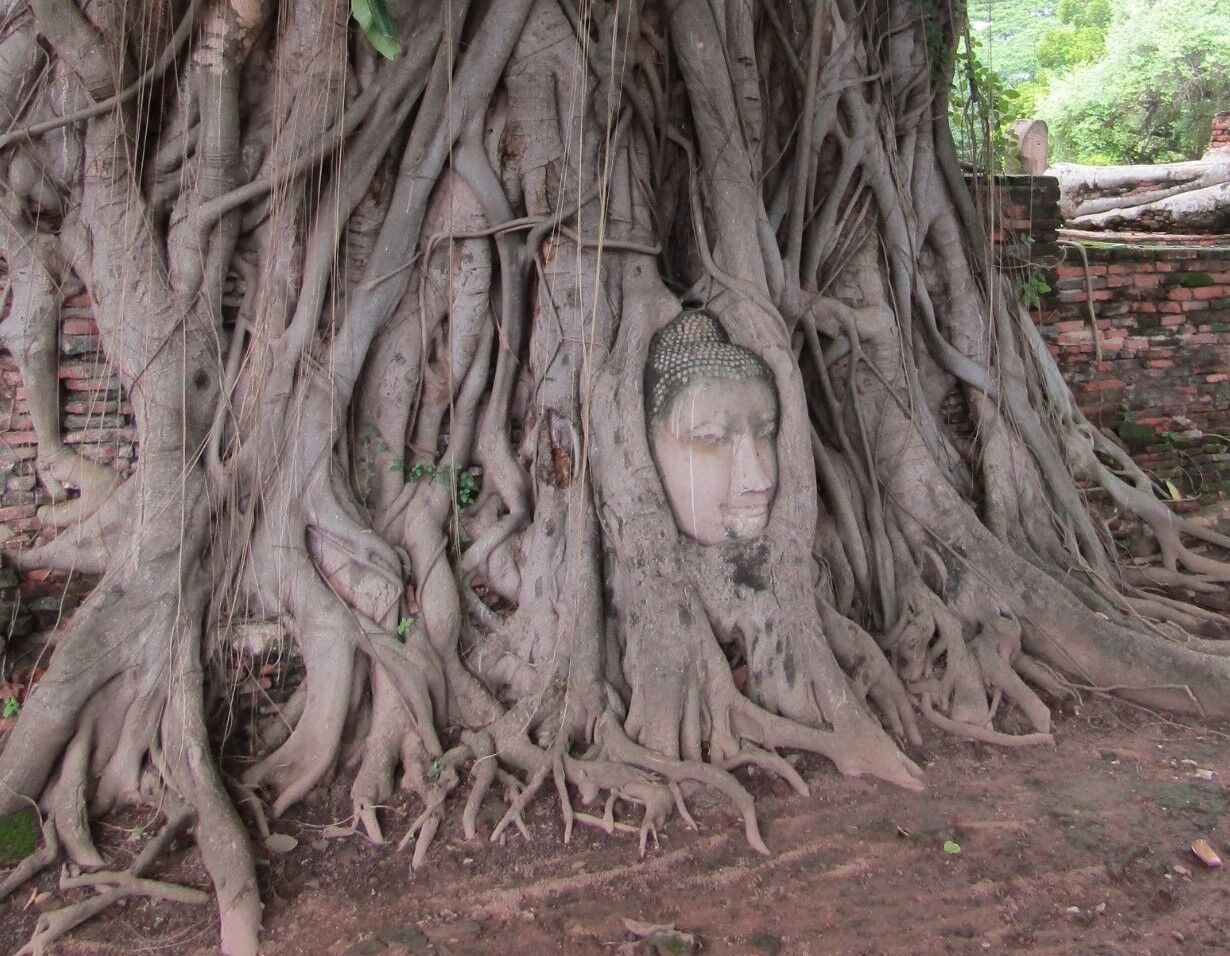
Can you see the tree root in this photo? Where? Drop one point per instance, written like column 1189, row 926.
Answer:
column 984, row 735
column 113, row 887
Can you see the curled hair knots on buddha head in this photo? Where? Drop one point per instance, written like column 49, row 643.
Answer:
column 692, row 347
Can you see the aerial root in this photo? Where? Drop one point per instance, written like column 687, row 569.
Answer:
column 249, row 804
column 1186, row 616
column 859, row 747
column 561, row 790
column 616, row 766
column 681, row 805
column 1146, row 577
column 69, row 803
column 985, row 735
column 751, row 755
column 433, row 782
column 483, row 773
column 113, row 887
column 1043, row 676
column 619, row 746
column 516, row 810
column 64, row 467
column 1133, row 494
column 134, row 886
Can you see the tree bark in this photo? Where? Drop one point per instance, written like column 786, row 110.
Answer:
column 415, row 456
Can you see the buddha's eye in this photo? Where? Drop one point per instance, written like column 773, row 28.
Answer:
column 708, row 437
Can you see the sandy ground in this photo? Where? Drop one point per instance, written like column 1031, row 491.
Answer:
column 1081, row 848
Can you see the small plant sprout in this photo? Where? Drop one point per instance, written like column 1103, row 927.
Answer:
column 466, row 482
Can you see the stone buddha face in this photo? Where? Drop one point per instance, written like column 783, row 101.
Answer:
column 711, row 411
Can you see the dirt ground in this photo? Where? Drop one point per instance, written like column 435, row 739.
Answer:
column 1081, row 848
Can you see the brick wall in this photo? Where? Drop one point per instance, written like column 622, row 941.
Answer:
column 1162, row 383
column 1221, row 131
column 1162, row 314
column 96, row 421
column 1163, row 321
column 1023, row 213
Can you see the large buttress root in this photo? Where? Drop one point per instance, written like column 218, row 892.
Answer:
column 384, row 325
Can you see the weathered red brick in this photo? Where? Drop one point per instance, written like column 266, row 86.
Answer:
column 79, row 327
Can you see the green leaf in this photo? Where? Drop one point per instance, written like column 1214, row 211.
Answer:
column 12, row 707
column 18, row 837
column 952, row 847
column 404, row 625
column 377, row 24
column 468, row 487
column 1171, row 490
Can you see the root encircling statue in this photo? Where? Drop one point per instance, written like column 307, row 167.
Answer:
column 564, row 391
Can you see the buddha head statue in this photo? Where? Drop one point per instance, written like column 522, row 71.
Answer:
column 711, row 414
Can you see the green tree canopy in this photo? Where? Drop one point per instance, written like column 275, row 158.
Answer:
column 1150, row 95
column 1080, row 37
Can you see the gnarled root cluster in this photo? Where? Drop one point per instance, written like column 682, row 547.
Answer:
column 384, row 325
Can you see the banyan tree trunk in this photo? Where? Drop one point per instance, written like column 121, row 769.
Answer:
column 385, row 324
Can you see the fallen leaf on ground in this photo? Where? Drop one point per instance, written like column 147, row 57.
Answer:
column 1206, row 854
column 280, row 843
column 952, row 847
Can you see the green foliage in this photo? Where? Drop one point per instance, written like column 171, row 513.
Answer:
column 1117, row 81
column 404, row 624
column 465, row 483
column 18, row 837
column 981, row 107
column 1031, row 286
column 1061, row 48
column 1150, row 94
column 1079, row 38
column 468, row 487
column 1009, row 31
column 1134, row 435
column 12, row 707
column 377, row 24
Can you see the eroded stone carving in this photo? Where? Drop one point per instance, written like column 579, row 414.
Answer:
column 711, row 411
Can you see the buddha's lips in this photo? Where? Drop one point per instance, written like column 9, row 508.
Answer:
column 749, row 511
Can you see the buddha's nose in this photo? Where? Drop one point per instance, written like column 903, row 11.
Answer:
column 751, row 472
